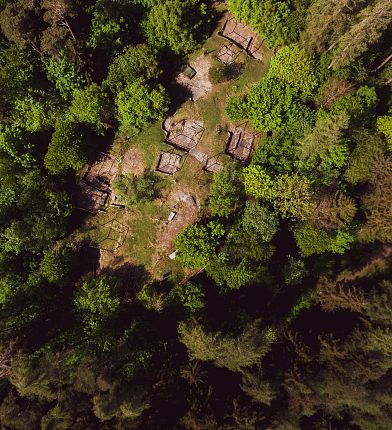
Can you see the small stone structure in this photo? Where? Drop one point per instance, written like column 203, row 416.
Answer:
column 243, row 36
column 185, row 134
column 168, row 163
column 89, row 199
column 240, row 142
column 228, row 53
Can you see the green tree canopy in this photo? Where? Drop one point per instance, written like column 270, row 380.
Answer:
column 139, row 104
column 134, row 62
column 226, row 191
column 197, row 244
column 174, row 23
column 66, row 148
column 294, row 67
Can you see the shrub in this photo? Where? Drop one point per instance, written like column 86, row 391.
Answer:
column 236, row 108
column 65, row 150
column 257, row 182
column 189, row 296
column 131, row 190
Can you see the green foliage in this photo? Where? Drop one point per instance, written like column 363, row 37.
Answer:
column 139, row 104
column 278, row 153
column 305, row 302
column 151, row 298
column 32, row 114
column 356, row 104
column 257, row 182
column 259, row 220
column 233, row 274
column 293, row 66
column 272, row 104
column 294, row 271
column 197, row 244
column 312, row 240
column 96, row 303
column 56, row 266
column 233, row 353
column 323, row 150
column 15, row 143
column 134, row 62
column 63, row 74
column 226, row 191
column 90, row 106
column 269, row 18
column 369, row 149
column 236, row 108
column 384, row 125
column 174, row 23
column 292, row 196
column 189, row 296
column 66, row 148
column 131, row 190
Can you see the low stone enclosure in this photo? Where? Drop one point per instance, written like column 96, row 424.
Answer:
column 112, row 236
column 240, row 142
column 169, row 163
column 228, row 53
column 185, row 134
column 242, row 36
column 93, row 192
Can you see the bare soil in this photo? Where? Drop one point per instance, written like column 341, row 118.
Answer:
column 200, row 84
column 133, row 162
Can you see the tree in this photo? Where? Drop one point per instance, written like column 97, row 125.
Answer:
column 139, row 104
column 323, row 150
column 272, row 104
column 293, row 66
column 292, row 196
column 259, row 220
column 174, row 23
column 131, row 190
column 233, row 353
column 189, row 296
column 58, row 14
column 234, row 274
column 278, row 153
column 197, row 244
column 294, row 271
column 91, row 106
column 327, row 133
column 134, row 62
column 33, row 114
column 311, row 240
column 63, row 74
column 366, row 157
column 114, row 25
column 371, row 24
column 226, row 191
column 384, row 125
column 56, row 266
column 96, row 303
column 376, row 202
column 236, row 108
column 20, row 23
column 257, row 182
column 327, row 21
column 65, row 150
column 333, row 210
column 269, row 18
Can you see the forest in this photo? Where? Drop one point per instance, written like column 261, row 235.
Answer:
column 244, row 285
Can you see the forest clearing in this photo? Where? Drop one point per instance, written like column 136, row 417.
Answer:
column 195, row 215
